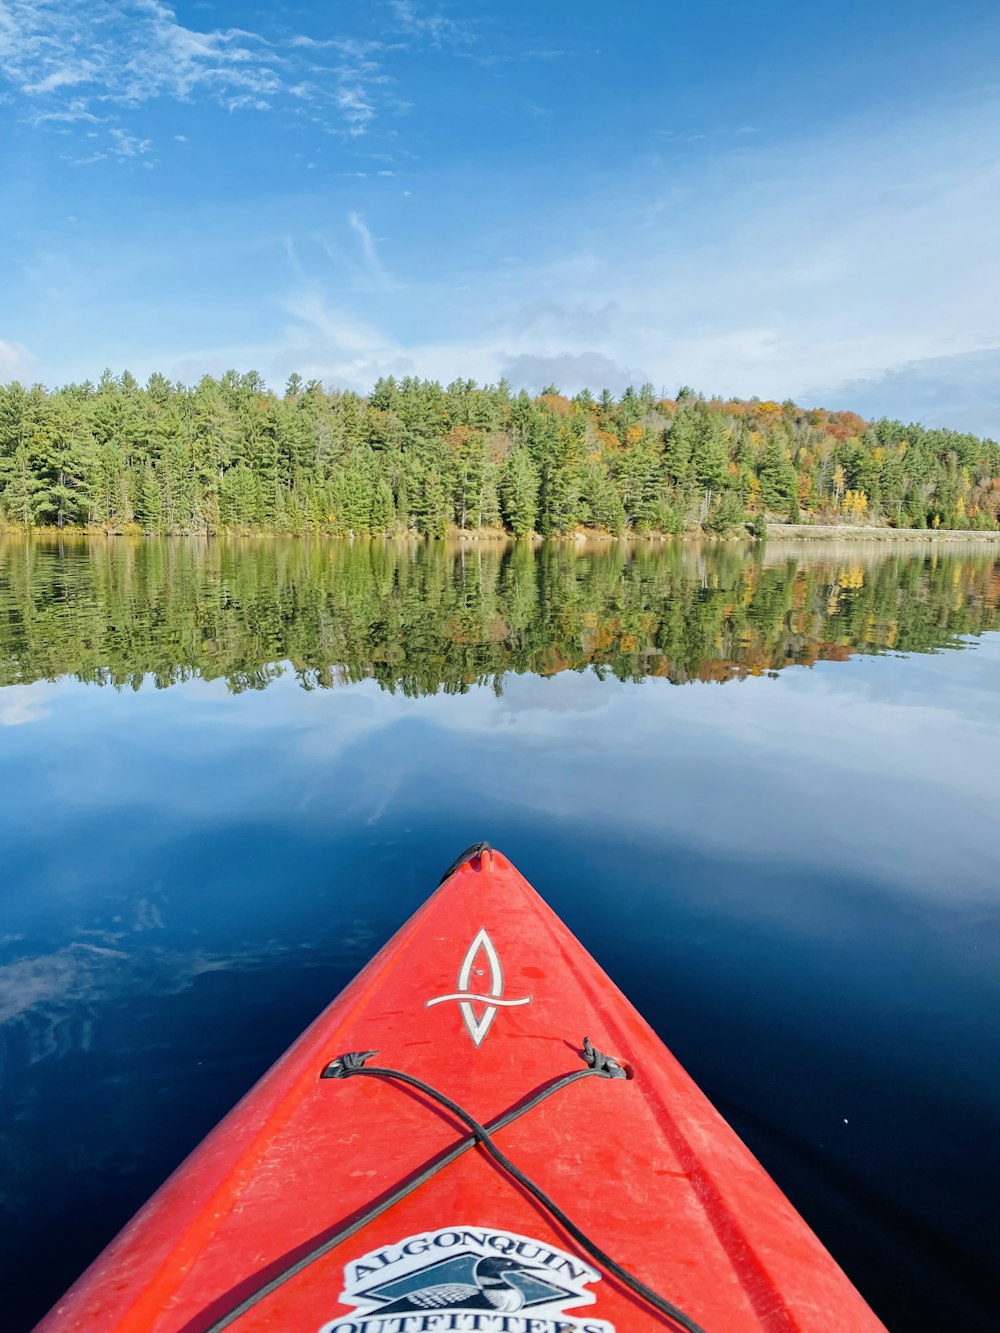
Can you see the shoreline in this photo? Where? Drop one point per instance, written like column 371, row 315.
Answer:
column 849, row 532
column 776, row 532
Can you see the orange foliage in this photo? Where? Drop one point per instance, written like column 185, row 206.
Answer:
column 843, row 425
column 557, row 404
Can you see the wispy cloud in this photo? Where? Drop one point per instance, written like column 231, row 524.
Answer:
column 128, row 144
column 70, row 62
column 372, row 261
column 414, row 18
column 126, row 53
column 356, row 108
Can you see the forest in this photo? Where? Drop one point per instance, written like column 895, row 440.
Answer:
column 414, row 457
column 426, row 617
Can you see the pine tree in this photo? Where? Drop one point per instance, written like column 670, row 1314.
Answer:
column 19, row 487
column 710, row 452
column 519, row 492
column 61, row 454
column 383, row 511
column 679, row 447
column 777, row 475
column 149, row 506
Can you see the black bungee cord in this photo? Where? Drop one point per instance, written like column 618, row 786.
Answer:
column 352, row 1065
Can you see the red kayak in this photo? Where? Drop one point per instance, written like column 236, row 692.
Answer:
column 480, row 1133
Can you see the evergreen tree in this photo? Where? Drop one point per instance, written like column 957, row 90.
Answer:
column 710, row 452
column 20, row 485
column 61, row 453
column 383, row 510
column 519, row 492
column 776, row 475
column 680, row 446
column 149, row 504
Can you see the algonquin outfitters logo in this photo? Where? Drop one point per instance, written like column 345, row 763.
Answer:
column 467, row 1280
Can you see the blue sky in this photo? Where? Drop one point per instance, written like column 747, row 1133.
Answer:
column 784, row 199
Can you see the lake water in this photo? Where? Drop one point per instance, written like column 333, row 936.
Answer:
column 762, row 788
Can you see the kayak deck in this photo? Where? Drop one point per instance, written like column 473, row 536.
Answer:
column 486, row 996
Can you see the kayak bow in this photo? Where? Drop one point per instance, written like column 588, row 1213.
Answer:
column 433, row 1154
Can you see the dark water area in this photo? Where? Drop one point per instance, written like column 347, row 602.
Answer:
column 762, row 788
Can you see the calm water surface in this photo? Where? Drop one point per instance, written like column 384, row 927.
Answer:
column 230, row 771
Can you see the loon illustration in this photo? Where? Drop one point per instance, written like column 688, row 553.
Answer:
column 490, row 1290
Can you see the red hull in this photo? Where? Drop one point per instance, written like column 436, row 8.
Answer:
column 646, row 1167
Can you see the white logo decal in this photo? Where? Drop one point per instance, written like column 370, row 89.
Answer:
column 466, row 1278
column 477, row 1028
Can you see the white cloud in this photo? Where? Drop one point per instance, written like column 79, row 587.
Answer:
column 329, row 343
column 570, row 372
column 63, row 76
column 16, row 362
column 18, row 711
column 129, row 145
column 411, row 18
column 75, row 110
column 126, row 53
column 356, row 108
column 961, row 392
column 372, row 261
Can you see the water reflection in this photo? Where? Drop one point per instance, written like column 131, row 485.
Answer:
column 425, row 617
